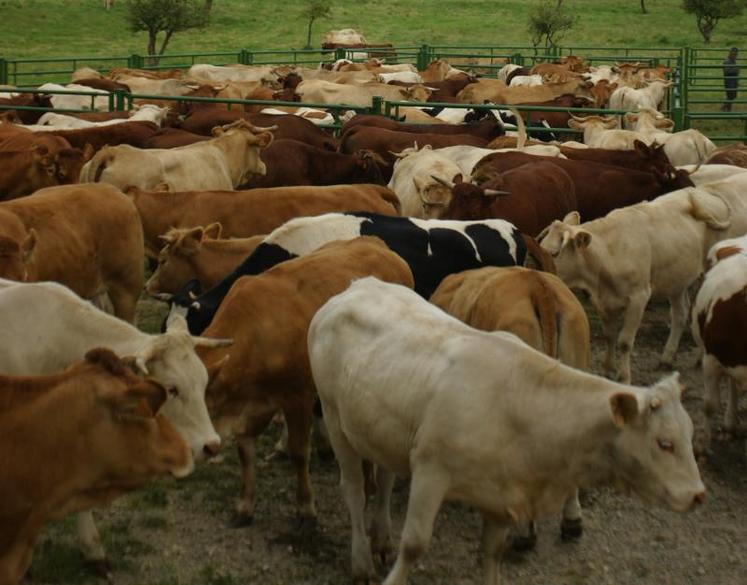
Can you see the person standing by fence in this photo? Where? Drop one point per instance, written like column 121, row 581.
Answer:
column 731, row 79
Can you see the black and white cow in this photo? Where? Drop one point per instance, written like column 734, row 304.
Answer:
column 432, row 248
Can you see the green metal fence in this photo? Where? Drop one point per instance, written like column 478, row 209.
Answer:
column 694, row 100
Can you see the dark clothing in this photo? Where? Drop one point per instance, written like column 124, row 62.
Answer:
column 731, row 81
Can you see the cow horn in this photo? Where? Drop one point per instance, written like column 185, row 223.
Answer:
column 165, row 297
column 192, row 296
column 495, row 192
column 260, row 129
column 443, row 181
column 210, row 342
column 577, row 118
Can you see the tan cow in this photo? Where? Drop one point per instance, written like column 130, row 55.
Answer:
column 87, row 237
column 225, row 162
column 108, row 442
column 539, row 309
column 255, row 211
column 197, row 253
column 267, row 369
column 324, row 92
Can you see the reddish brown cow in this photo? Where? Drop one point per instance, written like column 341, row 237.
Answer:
column 173, row 138
column 291, row 127
column 268, row 93
column 100, row 116
column 108, row 442
column 642, row 158
column 538, row 193
column 446, row 90
column 555, row 119
column 35, row 100
column 599, row 188
column 132, row 133
column 487, row 127
column 386, row 142
column 103, row 83
column 290, row 162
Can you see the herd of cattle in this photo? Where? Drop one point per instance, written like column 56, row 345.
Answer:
column 400, row 275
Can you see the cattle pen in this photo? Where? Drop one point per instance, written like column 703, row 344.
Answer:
column 691, row 101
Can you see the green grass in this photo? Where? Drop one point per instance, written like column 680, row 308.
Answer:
column 41, row 28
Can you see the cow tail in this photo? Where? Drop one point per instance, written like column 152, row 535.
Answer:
column 521, row 129
column 537, row 257
column 391, row 197
column 105, row 158
column 700, row 213
column 545, row 309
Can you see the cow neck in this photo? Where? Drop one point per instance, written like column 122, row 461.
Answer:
column 158, row 212
column 234, row 145
column 217, row 259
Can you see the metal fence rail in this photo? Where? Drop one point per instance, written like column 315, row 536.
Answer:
column 693, row 101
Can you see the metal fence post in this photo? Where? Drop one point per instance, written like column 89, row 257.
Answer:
column 339, row 53
column 246, row 57
column 3, row 72
column 517, row 59
column 377, row 103
column 423, row 53
column 135, row 61
column 119, row 100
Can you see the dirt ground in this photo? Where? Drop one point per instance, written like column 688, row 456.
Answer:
column 176, row 533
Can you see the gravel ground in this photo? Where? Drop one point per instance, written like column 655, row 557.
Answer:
column 177, row 533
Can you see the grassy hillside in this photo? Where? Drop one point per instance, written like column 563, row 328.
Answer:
column 40, row 28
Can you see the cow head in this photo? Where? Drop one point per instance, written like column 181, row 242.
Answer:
column 468, row 201
column 178, row 259
column 247, row 162
column 647, row 119
column 601, row 92
column 596, row 122
column 568, row 243
column 655, row 156
column 170, row 360
column 15, row 256
column 70, row 161
column 370, row 164
column 416, row 93
column 653, row 450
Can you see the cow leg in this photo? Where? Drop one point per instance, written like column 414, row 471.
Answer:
column 678, row 305
column 609, row 326
column 352, row 485
column 631, row 322
column 712, row 400
column 572, row 527
column 299, row 421
column 427, row 490
column 732, row 409
column 381, row 526
column 90, row 542
column 123, row 303
column 525, row 536
column 493, row 543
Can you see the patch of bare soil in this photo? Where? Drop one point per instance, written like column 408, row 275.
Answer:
column 177, row 532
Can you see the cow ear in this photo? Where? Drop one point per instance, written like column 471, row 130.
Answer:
column 140, row 402
column 190, row 242
column 458, row 179
column 582, row 239
column 264, row 139
column 88, row 152
column 624, row 407
column 213, row 231
column 641, row 148
column 162, row 188
column 28, row 245
column 573, row 218
column 107, row 358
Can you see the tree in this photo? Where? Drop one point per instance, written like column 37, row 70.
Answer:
column 313, row 10
column 709, row 12
column 643, row 7
column 549, row 23
column 164, row 16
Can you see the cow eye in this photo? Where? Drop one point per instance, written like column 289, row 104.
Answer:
column 665, row 445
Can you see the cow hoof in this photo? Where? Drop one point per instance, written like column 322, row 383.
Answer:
column 101, row 567
column 571, row 529
column 666, row 365
column 241, row 520
column 305, row 523
column 521, row 543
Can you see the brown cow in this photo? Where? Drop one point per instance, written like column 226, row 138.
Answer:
column 731, row 154
column 108, row 442
column 103, row 83
column 290, row 162
column 87, row 237
column 530, row 197
column 203, row 121
column 35, row 100
column 132, row 133
column 197, row 253
column 386, row 143
column 255, row 211
column 600, row 188
column 487, row 127
column 267, row 369
column 173, row 138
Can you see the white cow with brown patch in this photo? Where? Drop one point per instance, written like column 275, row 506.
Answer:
column 480, row 418
column 719, row 323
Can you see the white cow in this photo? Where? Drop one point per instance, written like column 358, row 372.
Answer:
column 655, row 248
column 414, row 183
column 47, row 327
column 201, row 71
column 403, row 76
column 651, row 96
column 76, row 102
column 708, row 173
column 526, row 81
column 144, row 113
column 719, row 319
column 602, row 132
column 482, row 418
